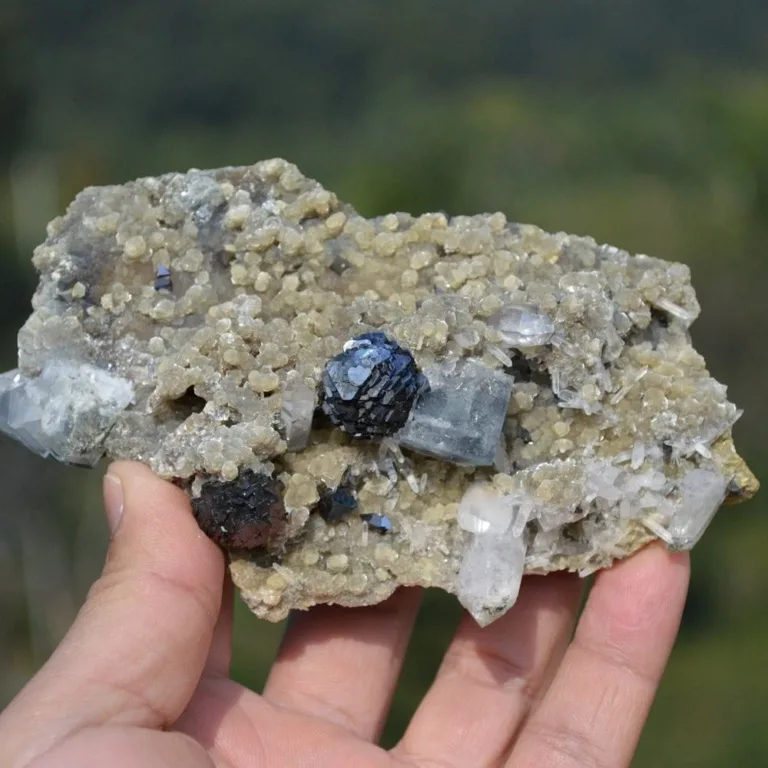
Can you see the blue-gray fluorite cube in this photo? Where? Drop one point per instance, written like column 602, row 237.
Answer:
column 461, row 417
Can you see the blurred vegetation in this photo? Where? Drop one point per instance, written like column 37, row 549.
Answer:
column 640, row 122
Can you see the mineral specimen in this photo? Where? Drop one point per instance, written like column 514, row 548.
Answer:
column 258, row 342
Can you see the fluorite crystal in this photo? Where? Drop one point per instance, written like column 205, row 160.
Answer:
column 209, row 324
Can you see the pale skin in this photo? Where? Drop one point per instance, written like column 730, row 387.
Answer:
column 142, row 677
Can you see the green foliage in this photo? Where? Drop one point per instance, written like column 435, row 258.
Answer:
column 640, row 122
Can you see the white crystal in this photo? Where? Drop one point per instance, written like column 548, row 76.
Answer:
column 297, row 411
column 638, row 455
column 523, row 326
column 677, row 311
column 467, row 338
column 483, row 509
column 617, row 397
column 500, row 355
column 490, row 575
column 658, row 530
column 702, row 491
column 601, row 481
column 65, row 412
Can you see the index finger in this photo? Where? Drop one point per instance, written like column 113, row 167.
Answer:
column 596, row 706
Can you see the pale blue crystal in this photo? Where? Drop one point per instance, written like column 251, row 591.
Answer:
column 460, row 419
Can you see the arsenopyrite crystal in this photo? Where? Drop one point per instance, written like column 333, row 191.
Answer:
column 186, row 321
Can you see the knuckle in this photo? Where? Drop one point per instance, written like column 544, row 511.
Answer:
column 565, row 745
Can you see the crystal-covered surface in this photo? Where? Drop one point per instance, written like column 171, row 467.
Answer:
column 186, row 321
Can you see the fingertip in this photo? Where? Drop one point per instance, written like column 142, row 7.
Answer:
column 153, row 528
column 647, row 590
column 654, row 563
column 133, row 491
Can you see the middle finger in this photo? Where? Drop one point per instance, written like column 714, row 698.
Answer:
column 490, row 676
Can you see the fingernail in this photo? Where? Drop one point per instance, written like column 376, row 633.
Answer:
column 113, row 500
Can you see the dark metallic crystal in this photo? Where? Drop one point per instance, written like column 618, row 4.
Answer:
column 336, row 504
column 368, row 390
column 246, row 513
column 380, row 523
column 163, row 280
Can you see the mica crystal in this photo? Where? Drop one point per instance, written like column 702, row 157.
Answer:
column 256, row 341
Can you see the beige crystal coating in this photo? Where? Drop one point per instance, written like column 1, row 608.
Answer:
column 611, row 409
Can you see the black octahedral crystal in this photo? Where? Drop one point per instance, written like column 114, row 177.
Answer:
column 368, row 390
column 246, row 513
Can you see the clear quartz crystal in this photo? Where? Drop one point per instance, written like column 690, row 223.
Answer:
column 702, row 491
column 490, row 574
column 297, row 411
column 523, row 326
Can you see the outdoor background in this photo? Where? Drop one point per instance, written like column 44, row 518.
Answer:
column 641, row 122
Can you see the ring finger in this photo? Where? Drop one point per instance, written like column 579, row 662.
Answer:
column 489, row 678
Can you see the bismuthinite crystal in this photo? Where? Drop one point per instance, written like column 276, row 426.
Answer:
column 185, row 321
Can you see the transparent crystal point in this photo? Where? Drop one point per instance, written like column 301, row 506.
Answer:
column 490, row 575
column 702, row 491
column 297, row 411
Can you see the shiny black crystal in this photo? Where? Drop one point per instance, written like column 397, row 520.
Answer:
column 163, row 280
column 246, row 513
column 380, row 523
column 336, row 504
column 368, row 390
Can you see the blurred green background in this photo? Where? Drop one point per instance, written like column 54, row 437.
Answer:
column 641, row 122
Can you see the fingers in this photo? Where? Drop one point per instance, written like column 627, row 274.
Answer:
column 342, row 665
column 137, row 648
column 489, row 677
column 597, row 704
column 121, row 747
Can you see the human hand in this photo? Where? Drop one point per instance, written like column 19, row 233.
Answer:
column 142, row 677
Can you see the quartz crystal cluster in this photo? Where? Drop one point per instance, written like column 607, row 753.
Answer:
column 356, row 404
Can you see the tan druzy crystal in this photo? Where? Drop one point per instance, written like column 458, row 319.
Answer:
column 186, row 321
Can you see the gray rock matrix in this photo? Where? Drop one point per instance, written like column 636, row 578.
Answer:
column 185, row 321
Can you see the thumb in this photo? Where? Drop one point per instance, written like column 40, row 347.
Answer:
column 138, row 646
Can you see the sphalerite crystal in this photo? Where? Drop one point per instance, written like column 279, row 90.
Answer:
column 369, row 388
column 355, row 404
